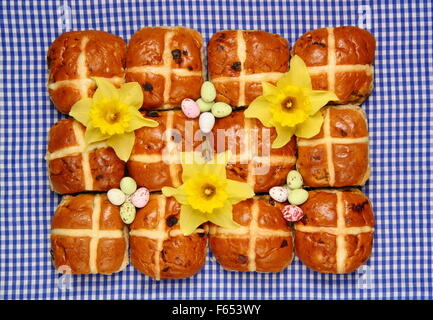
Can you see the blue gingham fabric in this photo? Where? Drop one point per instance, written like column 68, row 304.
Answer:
column 399, row 113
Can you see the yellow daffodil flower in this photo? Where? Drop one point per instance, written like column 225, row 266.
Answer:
column 292, row 106
column 206, row 194
column 112, row 115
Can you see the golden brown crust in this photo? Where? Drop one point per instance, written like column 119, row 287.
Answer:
column 61, row 135
column 158, row 248
column 358, row 250
column 72, row 252
column 274, row 165
column 263, row 243
column 74, row 212
column 312, row 47
column 88, row 235
column 354, row 45
column 266, row 52
column 151, row 164
column 109, row 218
column 111, row 254
column 167, row 62
column 336, row 233
column 76, row 56
column 66, row 174
column 74, row 168
column 107, row 169
column 338, row 155
column 351, row 50
column 233, row 55
column 317, row 251
column 222, row 54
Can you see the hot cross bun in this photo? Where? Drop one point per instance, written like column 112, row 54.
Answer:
column 338, row 155
column 158, row 247
column 253, row 161
column 336, row 233
column 239, row 61
column 262, row 243
column 76, row 56
column 339, row 59
column 167, row 62
column 155, row 162
column 74, row 166
column 88, row 235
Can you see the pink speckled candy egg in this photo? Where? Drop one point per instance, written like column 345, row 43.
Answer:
column 190, row 108
column 140, row 197
column 292, row 213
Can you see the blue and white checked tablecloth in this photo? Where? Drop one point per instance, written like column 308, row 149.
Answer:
column 399, row 113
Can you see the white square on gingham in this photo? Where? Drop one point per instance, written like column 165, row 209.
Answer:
column 399, row 113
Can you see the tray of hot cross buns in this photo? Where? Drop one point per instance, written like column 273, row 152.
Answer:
column 246, row 146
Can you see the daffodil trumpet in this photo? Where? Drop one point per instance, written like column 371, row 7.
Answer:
column 206, row 194
column 112, row 115
column 292, row 107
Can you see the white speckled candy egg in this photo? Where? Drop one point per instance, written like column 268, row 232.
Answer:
column 221, row 109
column 208, row 91
column 294, row 180
column 278, row 193
column 298, row 196
column 127, row 212
column 190, row 108
column 206, row 122
column 128, row 185
column 116, row 196
column 287, row 188
column 140, row 197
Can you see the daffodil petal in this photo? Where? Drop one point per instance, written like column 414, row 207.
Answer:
column 138, row 121
column 319, row 98
column 80, row 110
column 192, row 162
column 178, row 193
column 284, row 134
column 271, row 93
column 93, row 134
column 190, row 219
column 310, row 127
column 298, row 75
column 218, row 164
column 269, row 89
column 122, row 144
column 223, row 217
column 260, row 109
column 169, row 191
column 131, row 94
column 238, row 191
column 188, row 170
column 216, row 169
column 105, row 89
